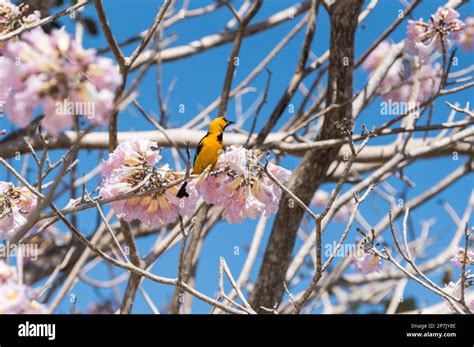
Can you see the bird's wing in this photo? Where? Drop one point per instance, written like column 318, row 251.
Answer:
column 199, row 148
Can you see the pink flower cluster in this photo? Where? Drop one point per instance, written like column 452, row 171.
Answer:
column 239, row 184
column 131, row 168
column 12, row 17
column 459, row 258
column 466, row 40
column 16, row 298
column 426, row 38
column 54, row 73
column 366, row 263
column 376, row 57
column 398, row 83
column 16, row 203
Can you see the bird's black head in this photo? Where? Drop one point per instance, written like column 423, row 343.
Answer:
column 228, row 122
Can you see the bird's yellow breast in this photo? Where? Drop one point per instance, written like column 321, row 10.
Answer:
column 208, row 152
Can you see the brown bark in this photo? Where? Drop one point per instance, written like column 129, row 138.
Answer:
column 312, row 170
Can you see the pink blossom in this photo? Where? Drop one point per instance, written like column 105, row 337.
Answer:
column 377, row 56
column 12, row 17
column 130, row 167
column 131, row 153
column 466, row 36
column 239, row 185
column 52, row 72
column 367, row 263
column 459, row 258
column 7, row 273
column 13, row 297
column 16, row 298
column 471, row 306
column 398, row 83
column 424, row 39
column 16, row 204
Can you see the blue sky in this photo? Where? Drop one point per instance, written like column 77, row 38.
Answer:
column 199, row 82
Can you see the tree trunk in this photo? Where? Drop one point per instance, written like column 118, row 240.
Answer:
column 312, row 170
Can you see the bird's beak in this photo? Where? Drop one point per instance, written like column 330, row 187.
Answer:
column 229, row 122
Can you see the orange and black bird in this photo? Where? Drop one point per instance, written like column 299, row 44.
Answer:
column 208, row 149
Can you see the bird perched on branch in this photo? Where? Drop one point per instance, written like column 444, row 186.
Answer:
column 208, row 149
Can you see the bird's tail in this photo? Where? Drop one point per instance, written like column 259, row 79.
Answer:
column 182, row 191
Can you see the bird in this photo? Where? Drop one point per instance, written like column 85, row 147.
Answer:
column 207, row 150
